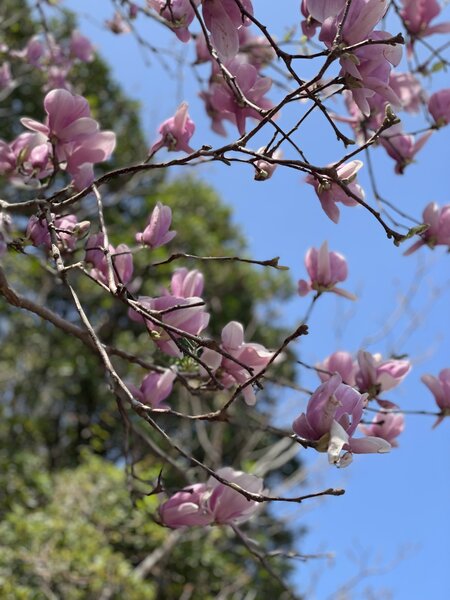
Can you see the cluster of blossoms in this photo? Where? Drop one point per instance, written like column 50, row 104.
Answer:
column 212, row 502
column 69, row 137
column 336, row 408
column 67, row 229
column 367, row 70
column 54, row 60
column 236, row 89
column 369, row 372
column 175, row 309
column 71, row 140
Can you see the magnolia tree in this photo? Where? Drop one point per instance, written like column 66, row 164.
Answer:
column 364, row 67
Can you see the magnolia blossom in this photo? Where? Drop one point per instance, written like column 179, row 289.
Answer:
column 155, row 388
column 67, row 228
column 185, row 314
column 118, row 24
column 386, row 425
column 408, row 89
column 264, row 168
column 361, row 18
column 325, row 269
column 81, row 47
column 27, row 159
column 157, row 231
column 176, row 132
column 223, row 18
column 440, row 388
column 438, row 232
column 439, row 107
column 186, row 284
column 256, row 49
column 330, row 193
column 417, row 16
column 186, row 508
column 121, row 258
column 223, row 99
column 339, row 362
column 376, row 375
column 332, row 416
column 255, row 356
column 367, row 72
column 34, row 51
column 309, row 25
column 74, row 135
column 212, row 502
column 401, row 146
column 178, row 15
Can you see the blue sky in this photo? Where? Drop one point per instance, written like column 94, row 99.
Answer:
column 396, row 506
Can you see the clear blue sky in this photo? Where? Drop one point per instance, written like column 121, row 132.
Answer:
column 396, row 505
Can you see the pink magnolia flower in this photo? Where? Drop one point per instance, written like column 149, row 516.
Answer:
column 438, row 232
column 228, row 505
column 330, row 193
column 117, row 24
column 332, row 416
column 178, row 15
column 256, row 49
column 309, row 25
column 264, row 168
column 417, row 15
column 34, row 51
column 185, row 314
column 223, row 19
column 339, row 362
column 81, row 47
column 67, row 228
column 361, row 19
column 376, row 375
column 440, row 388
column 74, row 135
column 255, row 356
column 186, row 508
column 439, row 107
column 121, row 257
column 186, row 284
column 27, row 159
column 408, row 89
column 367, row 72
column 401, row 146
column 176, row 132
column 155, row 388
column 212, row 502
column 224, row 100
column 386, row 425
column 157, row 231
column 325, row 269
